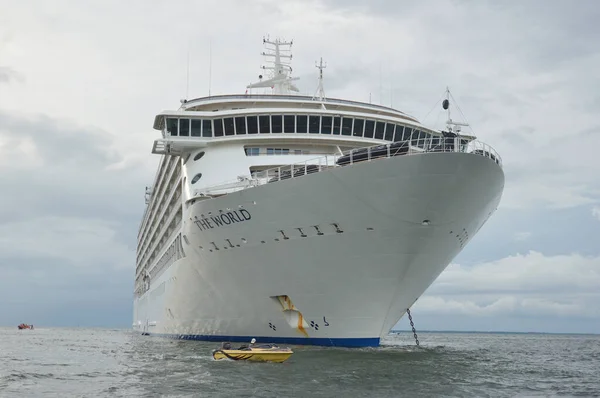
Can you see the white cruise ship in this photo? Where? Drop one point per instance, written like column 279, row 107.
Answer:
column 302, row 220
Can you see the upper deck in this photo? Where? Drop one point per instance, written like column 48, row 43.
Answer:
column 249, row 102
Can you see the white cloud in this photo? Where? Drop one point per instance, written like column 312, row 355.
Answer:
column 531, row 284
column 596, row 212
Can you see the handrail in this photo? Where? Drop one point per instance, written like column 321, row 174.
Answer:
column 429, row 145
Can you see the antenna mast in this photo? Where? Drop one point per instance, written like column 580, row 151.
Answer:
column 280, row 57
column 449, row 123
column 320, row 89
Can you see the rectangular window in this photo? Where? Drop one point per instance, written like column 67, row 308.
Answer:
column 389, row 131
column 184, row 127
column 369, row 128
column 252, row 124
column 207, row 128
column 265, row 124
column 399, row 132
column 407, row 133
column 172, row 126
column 347, row 126
column 336, row 125
column 240, row 125
column 196, row 127
column 252, row 151
column 297, row 151
column 302, row 123
column 326, row 124
column 270, row 151
column 417, row 138
column 358, row 128
column 218, row 126
column 314, row 124
column 276, row 124
column 228, row 122
column 289, row 124
column 379, row 129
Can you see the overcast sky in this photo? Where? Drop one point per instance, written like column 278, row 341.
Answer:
column 81, row 82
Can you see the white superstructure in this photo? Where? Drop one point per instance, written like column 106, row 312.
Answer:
column 302, row 220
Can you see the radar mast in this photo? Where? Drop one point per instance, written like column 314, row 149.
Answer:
column 278, row 54
column 320, row 90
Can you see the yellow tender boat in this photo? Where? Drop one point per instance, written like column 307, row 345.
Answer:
column 254, row 353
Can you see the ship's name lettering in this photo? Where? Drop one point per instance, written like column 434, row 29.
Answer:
column 231, row 217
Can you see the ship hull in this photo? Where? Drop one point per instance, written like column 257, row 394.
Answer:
column 333, row 258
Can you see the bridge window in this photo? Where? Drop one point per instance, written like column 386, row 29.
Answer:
column 407, row 133
column 276, row 124
column 379, row 129
column 207, row 128
column 218, row 126
column 347, row 126
column 196, row 178
column 265, row 124
column 196, row 128
column 415, row 139
column 289, row 125
column 172, row 126
column 184, row 127
column 252, row 151
column 301, row 124
column 240, row 125
column 369, row 128
column 228, row 123
column 252, row 124
column 358, row 127
column 313, row 124
column 326, row 124
column 389, row 131
column 336, row 125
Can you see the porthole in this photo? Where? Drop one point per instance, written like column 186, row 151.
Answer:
column 199, row 155
column 196, row 178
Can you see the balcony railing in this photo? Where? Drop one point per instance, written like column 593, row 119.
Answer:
column 429, row 146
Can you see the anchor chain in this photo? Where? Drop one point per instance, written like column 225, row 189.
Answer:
column 413, row 326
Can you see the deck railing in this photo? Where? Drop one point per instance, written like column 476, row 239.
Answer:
column 431, row 145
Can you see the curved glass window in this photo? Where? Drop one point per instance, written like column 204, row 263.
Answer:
column 196, row 128
column 301, row 123
column 228, row 122
column 389, row 131
column 379, row 130
column 206, row 128
column 199, row 155
column 276, row 124
column 369, row 128
column 264, row 122
column 252, row 124
column 196, row 178
column 172, row 124
column 289, row 123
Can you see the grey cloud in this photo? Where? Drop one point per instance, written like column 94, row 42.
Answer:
column 8, row 75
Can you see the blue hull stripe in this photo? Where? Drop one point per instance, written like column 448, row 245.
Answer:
column 318, row 341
